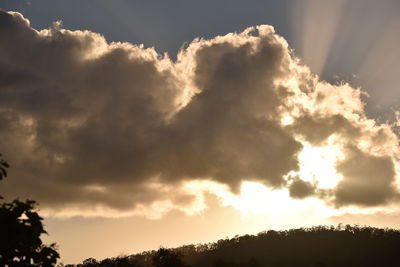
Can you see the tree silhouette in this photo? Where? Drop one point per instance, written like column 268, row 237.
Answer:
column 90, row 262
column 20, row 230
column 167, row 258
column 319, row 246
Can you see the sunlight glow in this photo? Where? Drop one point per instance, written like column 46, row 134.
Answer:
column 255, row 198
column 317, row 164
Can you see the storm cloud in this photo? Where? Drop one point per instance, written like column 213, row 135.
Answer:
column 89, row 125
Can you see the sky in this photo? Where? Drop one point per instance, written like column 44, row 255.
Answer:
column 137, row 124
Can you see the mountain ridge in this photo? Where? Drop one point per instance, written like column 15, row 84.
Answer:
column 318, row 246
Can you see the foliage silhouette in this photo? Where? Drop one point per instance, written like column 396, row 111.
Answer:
column 167, row 258
column 319, row 246
column 90, row 262
column 113, row 262
column 20, row 230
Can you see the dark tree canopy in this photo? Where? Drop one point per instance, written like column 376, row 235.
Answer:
column 20, row 231
column 320, row 246
column 167, row 258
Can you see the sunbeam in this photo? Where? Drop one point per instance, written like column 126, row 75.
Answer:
column 315, row 24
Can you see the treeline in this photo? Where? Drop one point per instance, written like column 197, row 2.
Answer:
column 319, row 246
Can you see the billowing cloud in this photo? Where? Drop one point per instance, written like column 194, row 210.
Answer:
column 91, row 126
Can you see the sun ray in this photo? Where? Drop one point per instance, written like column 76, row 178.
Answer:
column 315, row 25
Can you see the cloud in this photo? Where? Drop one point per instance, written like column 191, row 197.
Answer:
column 368, row 180
column 301, row 189
column 93, row 126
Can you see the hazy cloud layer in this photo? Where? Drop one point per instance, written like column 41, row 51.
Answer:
column 92, row 126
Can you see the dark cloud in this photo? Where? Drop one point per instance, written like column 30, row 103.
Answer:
column 301, row 189
column 106, row 119
column 368, row 179
column 230, row 130
column 91, row 124
column 315, row 128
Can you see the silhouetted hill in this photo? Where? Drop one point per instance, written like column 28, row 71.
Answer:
column 321, row 246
